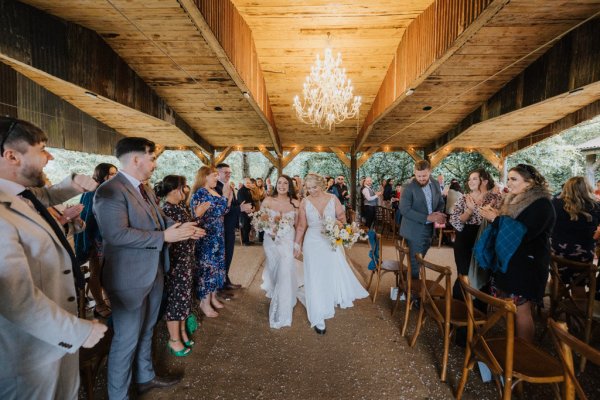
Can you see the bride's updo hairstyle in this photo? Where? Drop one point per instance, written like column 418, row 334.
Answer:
column 316, row 179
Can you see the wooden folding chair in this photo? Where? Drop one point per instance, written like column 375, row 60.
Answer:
column 507, row 356
column 573, row 288
column 438, row 304
column 382, row 267
column 565, row 343
column 405, row 281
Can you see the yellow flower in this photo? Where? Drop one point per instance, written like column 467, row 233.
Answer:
column 338, row 242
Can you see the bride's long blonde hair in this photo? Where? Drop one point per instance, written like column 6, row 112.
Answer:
column 316, row 179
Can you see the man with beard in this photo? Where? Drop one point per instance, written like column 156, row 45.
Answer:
column 421, row 205
column 40, row 334
column 232, row 219
column 342, row 190
column 136, row 234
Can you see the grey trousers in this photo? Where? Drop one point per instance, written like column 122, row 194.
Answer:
column 56, row 380
column 134, row 314
column 420, row 243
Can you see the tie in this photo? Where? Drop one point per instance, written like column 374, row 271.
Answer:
column 143, row 192
column 79, row 279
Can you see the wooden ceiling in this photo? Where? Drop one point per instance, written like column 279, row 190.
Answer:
column 161, row 43
column 473, row 48
column 290, row 33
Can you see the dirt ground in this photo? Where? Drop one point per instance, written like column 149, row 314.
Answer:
column 362, row 356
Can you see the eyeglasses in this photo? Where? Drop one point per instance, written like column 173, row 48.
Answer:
column 8, row 132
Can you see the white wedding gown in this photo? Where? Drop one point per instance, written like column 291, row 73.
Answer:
column 328, row 279
column 282, row 276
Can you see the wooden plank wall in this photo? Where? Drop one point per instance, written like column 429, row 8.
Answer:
column 80, row 56
column 235, row 36
column 571, row 63
column 426, row 40
column 66, row 126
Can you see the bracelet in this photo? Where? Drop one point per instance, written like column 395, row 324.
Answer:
column 296, row 246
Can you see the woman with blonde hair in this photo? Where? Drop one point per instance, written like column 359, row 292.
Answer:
column 577, row 217
column 210, row 250
column 328, row 279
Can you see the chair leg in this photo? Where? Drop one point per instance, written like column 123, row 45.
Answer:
column 406, row 313
column 370, row 280
column 420, row 323
column 467, row 367
column 377, row 286
column 446, row 350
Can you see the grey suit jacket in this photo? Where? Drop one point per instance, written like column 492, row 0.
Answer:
column 38, row 307
column 131, row 228
column 413, row 208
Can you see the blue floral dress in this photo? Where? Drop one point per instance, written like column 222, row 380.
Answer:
column 210, row 250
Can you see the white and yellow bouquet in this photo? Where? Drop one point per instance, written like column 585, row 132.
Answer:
column 275, row 226
column 340, row 234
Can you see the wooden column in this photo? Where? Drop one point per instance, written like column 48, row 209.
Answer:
column 353, row 177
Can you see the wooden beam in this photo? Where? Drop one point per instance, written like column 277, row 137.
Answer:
column 364, row 157
column 342, row 156
column 291, row 155
column 437, row 156
column 228, row 35
column 276, row 162
column 223, row 155
column 452, row 24
column 159, row 150
column 494, row 159
column 77, row 65
column 201, row 156
column 413, row 153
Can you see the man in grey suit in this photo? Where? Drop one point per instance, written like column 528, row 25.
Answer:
column 40, row 334
column 421, row 206
column 136, row 235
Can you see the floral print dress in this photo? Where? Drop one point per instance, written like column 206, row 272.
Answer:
column 210, row 250
column 179, row 278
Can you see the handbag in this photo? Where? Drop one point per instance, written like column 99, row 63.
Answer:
column 478, row 277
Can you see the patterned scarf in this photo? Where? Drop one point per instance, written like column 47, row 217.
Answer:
column 514, row 204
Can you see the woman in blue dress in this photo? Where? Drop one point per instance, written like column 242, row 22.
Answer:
column 210, row 250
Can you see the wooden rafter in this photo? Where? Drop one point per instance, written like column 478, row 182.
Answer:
column 413, row 153
column 159, row 150
column 291, row 155
column 341, row 155
column 275, row 161
column 494, row 159
column 366, row 155
column 437, row 156
column 223, row 155
column 201, row 156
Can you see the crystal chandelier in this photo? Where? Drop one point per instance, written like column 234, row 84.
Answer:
column 327, row 95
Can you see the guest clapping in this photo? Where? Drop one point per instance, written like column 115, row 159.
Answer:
column 210, row 250
column 178, row 281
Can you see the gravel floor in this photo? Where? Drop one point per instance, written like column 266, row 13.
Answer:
column 362, row 356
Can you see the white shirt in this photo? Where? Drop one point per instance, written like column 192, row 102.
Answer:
column 131, row 179
column 11, row 187
column 367, row 194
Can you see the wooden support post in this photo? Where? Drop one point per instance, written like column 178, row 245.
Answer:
column 341, row 155
column 413, row 154
column 353, row 178
column 291, row 155
column 492, row 157
column 591, row 164
column 203, row 159
column 365, row 156
column 437, row 156
column 222, row 156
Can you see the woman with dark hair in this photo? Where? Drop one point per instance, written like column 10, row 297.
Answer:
column 331, row 188
column 280, row 276
column 526, row 275
column 388, row 192
column 210, row 250
column 88, row 244
column 178, row 281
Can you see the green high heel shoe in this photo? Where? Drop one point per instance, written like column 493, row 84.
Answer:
column 178, row 353
column 189, row 343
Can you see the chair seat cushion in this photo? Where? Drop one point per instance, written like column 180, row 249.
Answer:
column 390, row 265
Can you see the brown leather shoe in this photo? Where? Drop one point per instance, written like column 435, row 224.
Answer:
column 158, row 382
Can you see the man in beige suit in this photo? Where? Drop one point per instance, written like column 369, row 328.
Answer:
column 40, row 333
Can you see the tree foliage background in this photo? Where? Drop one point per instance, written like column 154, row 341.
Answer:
column 557, row 158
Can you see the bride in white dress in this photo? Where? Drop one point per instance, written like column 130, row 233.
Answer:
column 282, row 275
column 328, row 279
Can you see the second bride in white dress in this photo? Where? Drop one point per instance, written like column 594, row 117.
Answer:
column 282, row 275
column 328, row 279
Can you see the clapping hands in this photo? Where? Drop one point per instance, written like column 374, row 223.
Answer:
column 183, row 231
column 201, row 208
column 437, row 217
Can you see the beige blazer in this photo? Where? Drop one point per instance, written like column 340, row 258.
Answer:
column 38, row 305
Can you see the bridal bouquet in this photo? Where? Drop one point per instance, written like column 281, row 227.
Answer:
column 274, row 225
column 345, row 236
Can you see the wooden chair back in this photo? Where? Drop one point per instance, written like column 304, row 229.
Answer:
column 565, row 344
column 571, row 280
column 404, row 280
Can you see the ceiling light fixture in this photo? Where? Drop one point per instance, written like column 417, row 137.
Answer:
column 327, row 94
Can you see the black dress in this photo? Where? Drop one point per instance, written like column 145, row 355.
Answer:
column 574, row 240
column 179, row 278
column 528, row 269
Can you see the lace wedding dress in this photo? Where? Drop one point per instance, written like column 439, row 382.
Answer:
column 328, row 279
column 282, row 275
